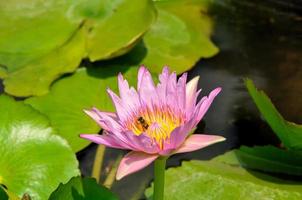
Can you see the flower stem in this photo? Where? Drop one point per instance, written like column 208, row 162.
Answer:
column 111, row 176
column 98, row 161
column 159, row 178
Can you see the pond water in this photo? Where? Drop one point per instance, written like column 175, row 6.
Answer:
column 262, row 41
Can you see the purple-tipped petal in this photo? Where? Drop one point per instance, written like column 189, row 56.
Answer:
column 120, row 108
column 162, row 85
column 140, row 75
column 177, row 137
column 181, row 92
column 171, row 92
column 141, row 142
column 147, row 90
column 206, row 102
column 198, row 141
column 129, row 96
column 105, row 140
column 191, row 95
column 133, row 162
column 106, row 120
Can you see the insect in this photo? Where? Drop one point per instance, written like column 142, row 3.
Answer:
column 142, row 124
column 26, row 197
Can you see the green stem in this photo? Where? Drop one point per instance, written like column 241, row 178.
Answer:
column 159, row 178
column 98, row 161
column 111, row 176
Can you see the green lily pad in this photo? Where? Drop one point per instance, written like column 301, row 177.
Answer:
column 85, row 89
column 3, row 72
column 82, row 189
column 267, row 159
column 33, row 159
column 212, row 180
column 42, row 41
column 118, row 34
column 33, row 28
column 180, row 36
column 289, row 133
column 35, row 77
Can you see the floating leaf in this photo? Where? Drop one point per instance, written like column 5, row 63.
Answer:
column 180, row 36
column 41, row 41
column 211, row 180
column 289, row 133
column 33, row 28
column 35, row 77
column 271, row 159
column 82, row 189
column 85, row 89
column 117, row 34
column 33, row 159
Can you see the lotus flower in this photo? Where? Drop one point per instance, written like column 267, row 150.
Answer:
column 155, row 120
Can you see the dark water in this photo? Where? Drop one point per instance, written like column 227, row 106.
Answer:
column 259, row 40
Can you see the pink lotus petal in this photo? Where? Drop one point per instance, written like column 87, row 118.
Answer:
column 129, row 96
column 140, row 74
column 105, row 140
column 106, row 120
column 141, row 142
column 191, row 95
column 198, row 141
column 162, row 85
column 147, row 90
column 132, row 162
column 121, row 111
column 177, row 137
column 171, row 92
column 181, row 91
column 206, row 102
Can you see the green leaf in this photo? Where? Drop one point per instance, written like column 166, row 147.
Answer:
column 289, row 133
column 267, row 159
column 85, row 89
column 35, row 77
column 33, row 159
column 82, row 189
column 3, row 72
column 117, row 34
column 32, row 28
column 42, row 41
column 180, row 36
column 271, row 159
column 211, row 180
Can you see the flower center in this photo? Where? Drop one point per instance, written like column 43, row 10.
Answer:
column 157, row 124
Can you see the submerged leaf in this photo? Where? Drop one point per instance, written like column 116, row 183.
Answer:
column 33, row 159
column 82, row 189
column 289, row 133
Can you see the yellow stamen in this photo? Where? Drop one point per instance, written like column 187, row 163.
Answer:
column 157, row 124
